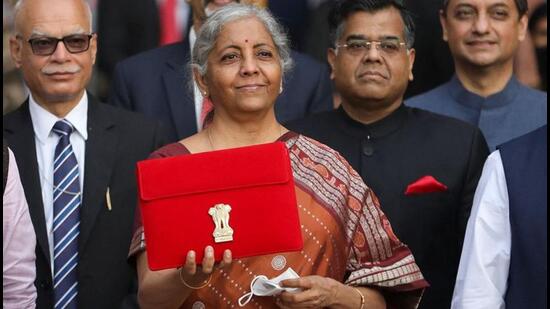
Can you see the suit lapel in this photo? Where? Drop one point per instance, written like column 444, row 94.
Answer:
column 176, row 79
column 22, row 142
column 99, row 162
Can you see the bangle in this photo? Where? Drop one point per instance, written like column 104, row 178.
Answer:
column 194, row 287
column 362, row 298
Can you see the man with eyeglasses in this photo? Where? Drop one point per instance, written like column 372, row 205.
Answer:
column 424, row 168
column 483, row 36
column 77, row 160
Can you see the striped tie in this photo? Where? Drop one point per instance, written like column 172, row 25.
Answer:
column 66, row 212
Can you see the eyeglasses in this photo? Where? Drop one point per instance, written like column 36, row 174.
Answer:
column 359, row 47
column 74, row 43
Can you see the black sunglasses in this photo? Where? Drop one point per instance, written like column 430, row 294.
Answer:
column 74, row 43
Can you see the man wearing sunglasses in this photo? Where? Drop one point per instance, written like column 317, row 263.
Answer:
column 77, row 159
column 424, row 168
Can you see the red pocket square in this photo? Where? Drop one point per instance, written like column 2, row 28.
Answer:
column 426, row 184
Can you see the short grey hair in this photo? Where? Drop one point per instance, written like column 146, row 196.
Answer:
column 19, row 5
column 210, row 30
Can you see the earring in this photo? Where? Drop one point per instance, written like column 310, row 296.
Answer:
column 205, row 94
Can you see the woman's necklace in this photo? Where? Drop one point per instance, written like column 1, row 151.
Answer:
column 209, row 128
column 210, row 137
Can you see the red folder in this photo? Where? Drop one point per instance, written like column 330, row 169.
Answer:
column 182, row 202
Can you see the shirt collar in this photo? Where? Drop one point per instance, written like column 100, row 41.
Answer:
column 463, row 96
column 380, row 128
column 43, row 121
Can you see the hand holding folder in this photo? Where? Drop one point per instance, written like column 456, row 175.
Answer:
column 240, row 199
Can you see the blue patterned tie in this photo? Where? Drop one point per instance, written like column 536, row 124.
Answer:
column 66, row 211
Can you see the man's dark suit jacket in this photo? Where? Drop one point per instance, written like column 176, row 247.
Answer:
column 117, row 139
column 398, row 150
column 158, row 83
column 126, row 28
column 433, row 64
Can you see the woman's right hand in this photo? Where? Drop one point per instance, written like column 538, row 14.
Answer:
column 197, row 276
column 169, row 288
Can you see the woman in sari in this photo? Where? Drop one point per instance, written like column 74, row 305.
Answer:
column 351, row 257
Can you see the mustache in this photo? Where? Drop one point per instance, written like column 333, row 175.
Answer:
column 481, row 38
column 378, row 72
column 59, row 69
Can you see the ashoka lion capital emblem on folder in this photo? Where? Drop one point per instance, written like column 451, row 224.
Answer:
column 220, row 215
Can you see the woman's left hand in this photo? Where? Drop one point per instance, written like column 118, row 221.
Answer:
column 317, row 292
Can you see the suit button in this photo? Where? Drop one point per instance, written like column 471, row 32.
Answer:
column 368, row 147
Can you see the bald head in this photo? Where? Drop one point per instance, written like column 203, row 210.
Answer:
column 56, row 77
column 24, row 8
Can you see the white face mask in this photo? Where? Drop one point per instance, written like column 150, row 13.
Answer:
column 262, row 286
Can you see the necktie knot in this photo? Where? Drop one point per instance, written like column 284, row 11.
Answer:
column 63, row 128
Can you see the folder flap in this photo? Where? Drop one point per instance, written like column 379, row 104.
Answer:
column 228, row 169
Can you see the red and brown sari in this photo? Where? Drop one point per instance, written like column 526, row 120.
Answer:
column 346, row 236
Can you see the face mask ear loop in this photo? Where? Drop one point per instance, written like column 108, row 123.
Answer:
column 246, row 298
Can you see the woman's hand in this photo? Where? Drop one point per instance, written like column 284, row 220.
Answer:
column 317, row 292
column 320, row 292
column 197, row 276
column 164, row 288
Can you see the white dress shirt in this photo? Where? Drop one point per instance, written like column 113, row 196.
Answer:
column 46, row 141
column 485, row 262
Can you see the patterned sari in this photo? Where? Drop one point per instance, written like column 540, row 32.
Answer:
column 346, row 236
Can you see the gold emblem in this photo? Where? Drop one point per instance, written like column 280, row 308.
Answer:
column 220, row 214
